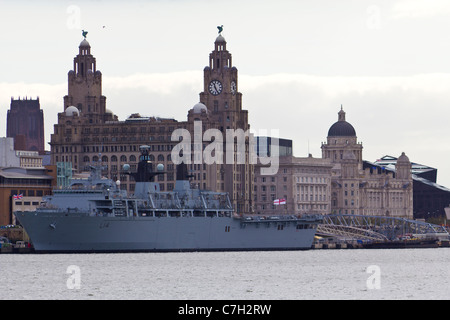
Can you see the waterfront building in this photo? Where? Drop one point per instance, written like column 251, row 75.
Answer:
column 304, row 184
column 360, row 189
column 25, row 121
column 429, row 198
column 88, row 132
column 22, row 176
column 23, row 189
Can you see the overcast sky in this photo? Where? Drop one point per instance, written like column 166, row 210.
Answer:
column 387, row 63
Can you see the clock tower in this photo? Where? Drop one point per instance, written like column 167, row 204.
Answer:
column 85, row 86
column 220, row 94
column 224, row 107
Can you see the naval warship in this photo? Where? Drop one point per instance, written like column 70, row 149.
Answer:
column 95, row 215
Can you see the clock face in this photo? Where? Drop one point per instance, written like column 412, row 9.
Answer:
column 233, row 87
column 215, row 87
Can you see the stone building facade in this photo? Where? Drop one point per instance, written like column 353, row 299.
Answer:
column 87, row 131
column 305, row 184
column 358, row 189
column 339, row 182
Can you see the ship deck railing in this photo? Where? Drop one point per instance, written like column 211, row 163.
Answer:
column 315, row 218
column 183, row 213
column 84, row 191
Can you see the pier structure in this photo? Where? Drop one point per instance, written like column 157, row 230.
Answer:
column 377, row 228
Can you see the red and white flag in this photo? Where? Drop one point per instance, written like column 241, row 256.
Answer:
column 18, row 196
column 279, row 201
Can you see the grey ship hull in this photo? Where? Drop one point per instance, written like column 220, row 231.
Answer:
column 56, row 231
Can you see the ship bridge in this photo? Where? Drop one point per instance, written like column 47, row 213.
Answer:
column 362, row 227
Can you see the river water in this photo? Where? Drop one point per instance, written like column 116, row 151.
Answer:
column 278, row 275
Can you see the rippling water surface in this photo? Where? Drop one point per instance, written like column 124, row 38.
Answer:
column 314, row 274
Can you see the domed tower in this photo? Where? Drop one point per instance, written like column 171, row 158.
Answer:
column 85, row 86
column 342, row 138
column 220, row 94
column 224, row 112
column 199, row 112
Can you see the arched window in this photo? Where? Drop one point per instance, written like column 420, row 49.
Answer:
column 95, row 159
column 160, row 157
column 132, row 158
column 152, row 157
column 123, row 158
column 114, row 159
column 86, row 159
column 104, row 159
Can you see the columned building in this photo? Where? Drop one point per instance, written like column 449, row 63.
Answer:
column 87, row 131
column 358, row 189
column 430, row 198
column 304, row 183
